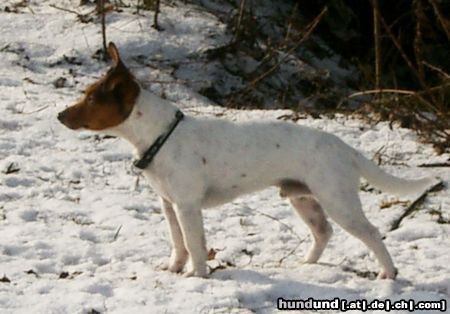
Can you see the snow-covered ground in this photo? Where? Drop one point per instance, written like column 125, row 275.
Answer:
column 81, row 233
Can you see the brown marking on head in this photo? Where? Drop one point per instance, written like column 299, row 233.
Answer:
column 204, row 160
column 105, row 103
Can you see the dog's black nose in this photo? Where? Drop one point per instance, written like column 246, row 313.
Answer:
column 61, row 116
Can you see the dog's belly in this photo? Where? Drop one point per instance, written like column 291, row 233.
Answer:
column 216, row 197
column 219, row 192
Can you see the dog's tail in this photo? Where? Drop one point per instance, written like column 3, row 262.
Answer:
column 389, row 183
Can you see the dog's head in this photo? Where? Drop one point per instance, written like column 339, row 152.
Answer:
column 106, row 103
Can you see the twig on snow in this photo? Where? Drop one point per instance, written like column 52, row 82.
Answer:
column 300, row 240
column 116, row 235
column 37, row 110
column 280, row 222
column 418, row 201
column 84, row 18
column 435, row 165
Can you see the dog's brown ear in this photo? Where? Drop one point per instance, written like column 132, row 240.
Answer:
column 114, row 53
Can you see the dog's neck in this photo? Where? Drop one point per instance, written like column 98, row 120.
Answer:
column 150, row 117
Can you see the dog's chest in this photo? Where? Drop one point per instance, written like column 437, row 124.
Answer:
column 158, row 184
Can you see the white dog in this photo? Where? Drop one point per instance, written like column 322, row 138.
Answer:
column 195, row 163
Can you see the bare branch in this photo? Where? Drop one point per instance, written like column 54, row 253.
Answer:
column 155, row 16
column 377, row 43
column 103, row 13
column 444, row 23
column 418, row 201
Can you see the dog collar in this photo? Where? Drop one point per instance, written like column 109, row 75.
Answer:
column 158, row 143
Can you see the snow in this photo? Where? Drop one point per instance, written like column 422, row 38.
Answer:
column 80, row 231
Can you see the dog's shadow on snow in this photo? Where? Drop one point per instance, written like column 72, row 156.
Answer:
column 258, row 291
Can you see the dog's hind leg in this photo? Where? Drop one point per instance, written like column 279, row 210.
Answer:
column 344, row 207
column 179, row 255
column 312, row 214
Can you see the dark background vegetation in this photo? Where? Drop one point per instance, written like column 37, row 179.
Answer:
column 413, row 57
column 400, row 50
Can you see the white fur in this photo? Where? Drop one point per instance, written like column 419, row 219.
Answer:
column 208, row 162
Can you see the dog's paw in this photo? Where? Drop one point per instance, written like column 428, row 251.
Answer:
column 310, row 260
column 176, row 262
column 388, row 275
column 173, row 267
column 176, row 267
column 196, row 273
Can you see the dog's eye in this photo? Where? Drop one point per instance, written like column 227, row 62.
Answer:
column 90, row 99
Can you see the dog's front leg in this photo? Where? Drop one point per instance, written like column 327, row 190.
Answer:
column 191, row 223
column 179, row 253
